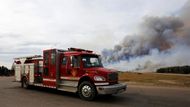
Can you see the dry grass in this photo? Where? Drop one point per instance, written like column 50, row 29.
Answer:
column 155, row 79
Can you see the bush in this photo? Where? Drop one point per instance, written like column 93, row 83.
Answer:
column 4, row 71
column 175, row 69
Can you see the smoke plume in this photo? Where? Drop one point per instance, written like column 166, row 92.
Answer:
column 162, row 41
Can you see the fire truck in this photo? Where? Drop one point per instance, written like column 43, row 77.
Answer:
column 73, row 70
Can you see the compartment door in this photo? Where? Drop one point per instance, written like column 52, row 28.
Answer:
column 18, row 71
column 31, row 73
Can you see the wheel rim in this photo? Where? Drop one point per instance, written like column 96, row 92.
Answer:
column 86, row 91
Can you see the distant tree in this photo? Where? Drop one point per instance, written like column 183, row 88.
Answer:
column 4, row 71
column 175, row 69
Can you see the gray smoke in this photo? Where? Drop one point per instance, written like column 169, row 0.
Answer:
column 163, row 41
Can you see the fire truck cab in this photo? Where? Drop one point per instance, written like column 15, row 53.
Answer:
column 73, row 70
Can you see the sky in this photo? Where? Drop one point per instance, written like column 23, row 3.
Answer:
column 29, row 26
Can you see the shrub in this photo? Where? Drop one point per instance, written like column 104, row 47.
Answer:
column 175, row 69
column 4, row 71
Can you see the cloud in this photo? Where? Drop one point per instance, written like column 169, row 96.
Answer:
column 64, row 23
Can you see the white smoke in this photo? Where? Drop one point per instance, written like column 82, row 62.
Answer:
column 163, row 41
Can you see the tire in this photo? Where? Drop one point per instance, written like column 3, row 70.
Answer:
column 24, row 83
column 87, row 91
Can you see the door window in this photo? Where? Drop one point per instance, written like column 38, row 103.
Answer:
column 46, row 58
column 46, row 62
column 64, row 60
column 52, row 58
column 75, row 61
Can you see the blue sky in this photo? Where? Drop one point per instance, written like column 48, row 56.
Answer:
column 29, row 26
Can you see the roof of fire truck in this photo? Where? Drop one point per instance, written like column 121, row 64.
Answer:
column 74, row 51
column 70, row 51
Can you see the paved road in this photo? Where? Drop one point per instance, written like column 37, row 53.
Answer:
column 11, row 95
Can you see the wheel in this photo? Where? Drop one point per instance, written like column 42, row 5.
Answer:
column 87, row 91
column 24, row 83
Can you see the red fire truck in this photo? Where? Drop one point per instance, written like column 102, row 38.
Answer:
column 73, row 70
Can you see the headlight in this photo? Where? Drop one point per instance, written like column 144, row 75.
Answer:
column 99, row 78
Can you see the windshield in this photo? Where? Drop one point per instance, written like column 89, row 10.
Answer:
column 91, row 61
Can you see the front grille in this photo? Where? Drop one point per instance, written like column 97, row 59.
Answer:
column 113, row 76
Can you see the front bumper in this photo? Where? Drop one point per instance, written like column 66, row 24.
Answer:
column 111, row 89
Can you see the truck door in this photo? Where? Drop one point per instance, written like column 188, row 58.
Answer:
column 75, row 66
column 64, row 65
column 49, row 76
column 70, row 67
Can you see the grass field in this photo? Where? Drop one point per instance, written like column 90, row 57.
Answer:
column 157, row 79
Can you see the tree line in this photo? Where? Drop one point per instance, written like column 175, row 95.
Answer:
column 175, row 69
column 4, row 71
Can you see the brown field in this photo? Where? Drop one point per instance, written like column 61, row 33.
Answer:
column 156, row 79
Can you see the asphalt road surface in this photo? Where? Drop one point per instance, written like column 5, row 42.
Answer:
column 12, row 95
